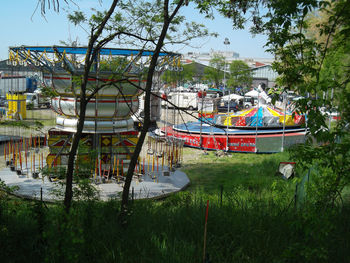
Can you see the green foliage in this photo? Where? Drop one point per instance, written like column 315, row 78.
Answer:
column 30, row 106
column 115, row 64
column 215, row 71
column 251, row 218
column 318, row 66
column 48, row 92
column 27, row 124
column 310, row 41
column 254, row 230
column 139, row 24
column 22, row 124
column 186, row 74
column 77, row 17
column 240, row 74
column 5, row 190
column 330, row 163
column 85, row 190
column 54, row 172
column 254, row 173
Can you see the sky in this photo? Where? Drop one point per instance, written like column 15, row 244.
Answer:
column 22, row 25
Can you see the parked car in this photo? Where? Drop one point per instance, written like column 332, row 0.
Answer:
column 232, row 105
column 3, row 102
column 36, row 100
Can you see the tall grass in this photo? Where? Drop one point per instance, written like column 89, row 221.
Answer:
column 251, row 219
column 239, row 230
column 251, row 171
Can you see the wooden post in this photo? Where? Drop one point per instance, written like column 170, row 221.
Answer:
column 205, row 231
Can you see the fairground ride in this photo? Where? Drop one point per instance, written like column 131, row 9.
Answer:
column 115, row 82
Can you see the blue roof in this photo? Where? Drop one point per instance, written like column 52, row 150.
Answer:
column 82, row 50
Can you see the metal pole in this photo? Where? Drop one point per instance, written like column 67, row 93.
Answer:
column 201, row 119
column 227, row 120
column 225, row 74
column 226, row 43
column 284, row 120
column 166, row 113
column 256, row 125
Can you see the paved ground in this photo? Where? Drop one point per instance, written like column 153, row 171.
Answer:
column 150, row 186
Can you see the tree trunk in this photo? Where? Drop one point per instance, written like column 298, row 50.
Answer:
column 72, row 153
column 146, row 123
column 90, row 56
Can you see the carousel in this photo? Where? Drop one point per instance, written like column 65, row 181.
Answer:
column 260, row 129
column 109, row 134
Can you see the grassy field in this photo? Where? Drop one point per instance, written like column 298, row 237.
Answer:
column 253, row 171
column 253, row 220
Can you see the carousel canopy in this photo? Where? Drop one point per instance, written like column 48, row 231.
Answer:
column 82, row 50
column 263, row 116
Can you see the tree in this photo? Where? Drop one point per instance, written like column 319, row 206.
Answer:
column 94, row 45
column 240, row 74
column 163, row 22
column 317, row 63
column 48, row 4
column 144, row 24
column 215, row 71
column 303, row 64
column 309, row 61
column 186, row 73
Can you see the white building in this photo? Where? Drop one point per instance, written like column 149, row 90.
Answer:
column 264, row 74
column 261, row 67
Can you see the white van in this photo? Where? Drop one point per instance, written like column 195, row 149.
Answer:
column 184, row 100
column 36, row 100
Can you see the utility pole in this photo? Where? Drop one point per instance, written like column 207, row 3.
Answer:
column 226, row 43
